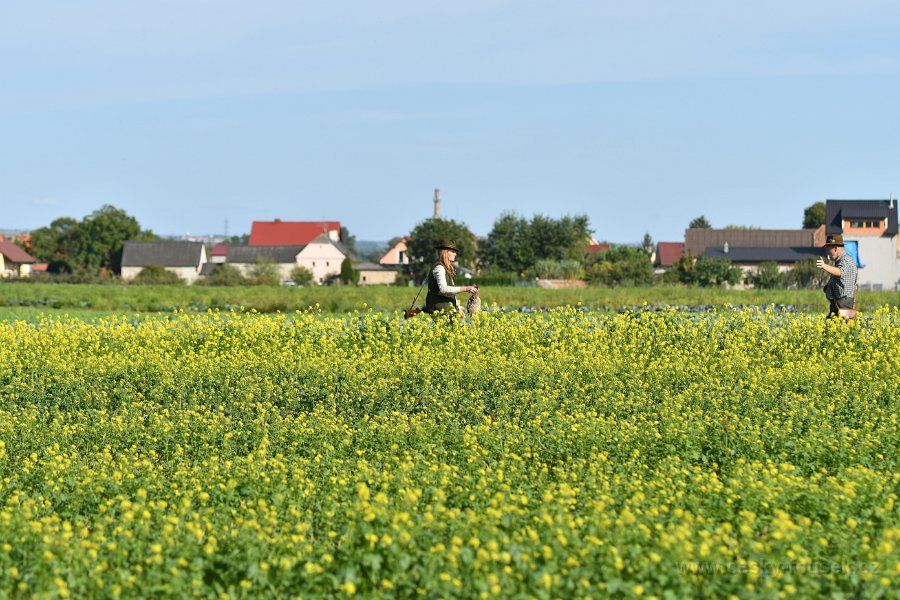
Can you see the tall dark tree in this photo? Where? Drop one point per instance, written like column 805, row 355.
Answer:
column 647, row 244
column 97, row 242
column 559, row 239
column 699, row 223
column 427, row 234
column 516, row 245
column 508, row 246
column 349, row 241
column 52, row 244
column 814, row 216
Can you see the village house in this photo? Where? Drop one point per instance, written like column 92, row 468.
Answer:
column 870, row 226
column 665, row 256
column 185, row 259
column 376, row 274
column 396, row 254
column 749, row 248
column 322, row 257
column 14, row 262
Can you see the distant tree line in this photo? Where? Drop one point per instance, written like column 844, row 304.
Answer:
column 515, row 248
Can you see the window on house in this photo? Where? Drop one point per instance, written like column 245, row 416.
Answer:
column 314, row 263
column 327, row 264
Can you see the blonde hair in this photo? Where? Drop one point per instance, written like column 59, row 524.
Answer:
column 444, row 259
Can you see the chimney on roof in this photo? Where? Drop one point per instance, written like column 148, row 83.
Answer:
column 725, row 248
column 277, row 220
column 437, row 203
column 892, row 200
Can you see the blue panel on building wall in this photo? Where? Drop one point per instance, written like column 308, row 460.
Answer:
column 852, row 248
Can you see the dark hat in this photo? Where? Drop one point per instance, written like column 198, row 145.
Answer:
column 446, row 245
column 834, row 239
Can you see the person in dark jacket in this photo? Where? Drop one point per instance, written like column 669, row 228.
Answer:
column 441, row 288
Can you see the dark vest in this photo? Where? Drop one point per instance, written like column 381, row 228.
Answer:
column 435, row 300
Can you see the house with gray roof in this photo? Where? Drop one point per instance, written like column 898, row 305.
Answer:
column 376, row 274
column 870, row 225
column 322, row 257
column 185, row 259
column 697, row 240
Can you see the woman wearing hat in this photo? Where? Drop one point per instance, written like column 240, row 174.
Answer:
column 841, row 287
column 441, row 289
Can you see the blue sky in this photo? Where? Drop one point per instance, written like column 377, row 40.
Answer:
column 641, row 115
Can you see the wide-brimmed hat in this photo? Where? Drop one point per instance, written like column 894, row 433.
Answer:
column 447, row 245
column 834, row 239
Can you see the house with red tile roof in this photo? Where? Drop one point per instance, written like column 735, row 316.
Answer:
column 218, row 253
column 666, row 254
column 292, row 233
column 14, row 262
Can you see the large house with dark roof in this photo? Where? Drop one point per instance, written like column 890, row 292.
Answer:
column 185, row 259
column 870, row 225
column 14, row 262
column 749, row 248
column 697, row 240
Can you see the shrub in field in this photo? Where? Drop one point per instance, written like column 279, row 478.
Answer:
column 264, row 272
column 224, row 275
column 766, row 276
column 301, row 275
column 156, row 275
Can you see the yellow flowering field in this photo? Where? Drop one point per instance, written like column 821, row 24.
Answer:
column 561, row 454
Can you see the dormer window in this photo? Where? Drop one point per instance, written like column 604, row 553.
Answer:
column 864, row 223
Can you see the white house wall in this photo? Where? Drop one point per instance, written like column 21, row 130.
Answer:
column 882, row 267
column 323, row 260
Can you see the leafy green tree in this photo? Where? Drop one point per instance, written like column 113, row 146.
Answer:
column 429, row 233
column 52, row 244
column 157, row 275
column 349, row 275
column 301, row 275
column 508, row 247
column 766, row 276
column 559, row 239
column 514, row 245
column 683, row 270
column 97, row 242
column 622, row 265
column 699, row 223
column 238, row 240
column 805, row 275
column 814, row 216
